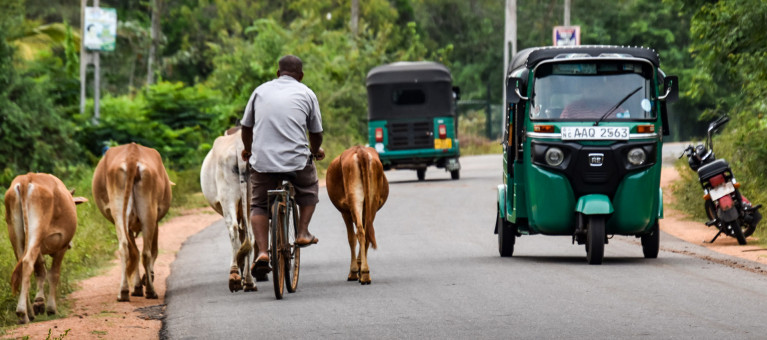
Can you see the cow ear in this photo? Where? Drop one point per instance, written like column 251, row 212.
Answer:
column 79, row 199
column 72, row 192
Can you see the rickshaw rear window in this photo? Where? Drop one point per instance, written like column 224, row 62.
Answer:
column 408, row 97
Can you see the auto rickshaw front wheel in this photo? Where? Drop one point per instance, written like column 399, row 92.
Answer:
column 506, row 236
column 595, row 239
column 651, row 242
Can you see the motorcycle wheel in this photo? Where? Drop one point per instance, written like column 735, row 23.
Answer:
column 595, row 239
column 737, row 232
column 749, row 228
column 710, row 210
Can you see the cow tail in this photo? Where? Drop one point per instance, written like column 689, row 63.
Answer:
column 16, row 276
column 131, row 169
column 368, row 211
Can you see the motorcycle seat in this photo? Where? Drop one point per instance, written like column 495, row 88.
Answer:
column 712, row 169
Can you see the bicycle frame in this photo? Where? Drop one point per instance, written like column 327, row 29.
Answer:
column 285, row 255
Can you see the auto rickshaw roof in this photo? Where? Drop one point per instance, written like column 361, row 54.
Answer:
column 408, row 72
column 530, row 57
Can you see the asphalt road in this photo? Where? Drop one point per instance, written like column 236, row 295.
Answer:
column 437, row 275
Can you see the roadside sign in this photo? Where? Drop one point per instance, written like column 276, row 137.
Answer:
column 567, row 35
column 100, row 28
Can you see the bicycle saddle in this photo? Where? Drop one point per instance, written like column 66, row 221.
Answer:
column 288, row 176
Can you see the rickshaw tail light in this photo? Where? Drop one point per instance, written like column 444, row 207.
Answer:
column 645, row 128
column 543, row 128
column 379, row 135
column 442, row 131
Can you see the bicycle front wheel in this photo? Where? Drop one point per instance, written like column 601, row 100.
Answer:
column 293, row 262
column 276, row 249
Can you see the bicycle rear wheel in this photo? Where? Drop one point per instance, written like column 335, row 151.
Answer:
column 277, row 240
column 293, row 262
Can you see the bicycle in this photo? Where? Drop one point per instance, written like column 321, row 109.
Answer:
column 285, row 255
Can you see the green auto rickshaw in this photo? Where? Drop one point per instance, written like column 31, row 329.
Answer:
column 582, row 142
column 411, row 116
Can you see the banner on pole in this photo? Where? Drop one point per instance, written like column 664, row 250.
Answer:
column 567, row 35
column 100, row 28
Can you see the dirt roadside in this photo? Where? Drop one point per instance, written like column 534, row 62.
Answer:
column 96, row 314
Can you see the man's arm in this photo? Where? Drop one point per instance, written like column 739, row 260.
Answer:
column 247, row 142
column 315, row 143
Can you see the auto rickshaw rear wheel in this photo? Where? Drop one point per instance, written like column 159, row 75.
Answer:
column 651, row 242
column 506, row 236
column 421, row 173
column 455, row 174
column 595, row 239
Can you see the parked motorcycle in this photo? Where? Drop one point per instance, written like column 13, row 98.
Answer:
column 727, row 210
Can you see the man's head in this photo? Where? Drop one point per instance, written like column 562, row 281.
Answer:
column 291, row 65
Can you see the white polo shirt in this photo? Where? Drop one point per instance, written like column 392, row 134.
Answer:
column 281, row 112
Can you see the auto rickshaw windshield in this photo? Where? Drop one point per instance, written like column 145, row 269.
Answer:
column 587, row 91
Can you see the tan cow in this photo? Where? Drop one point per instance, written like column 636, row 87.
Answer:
column 224, row 182
column 132, row 190
column 358, row 188
column 41, row 219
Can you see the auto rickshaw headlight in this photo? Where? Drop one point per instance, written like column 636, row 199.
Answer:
column 554, row 156
column 637, row 156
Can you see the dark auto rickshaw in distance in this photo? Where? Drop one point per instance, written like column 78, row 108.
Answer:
column 411, row 116
column 582, row 146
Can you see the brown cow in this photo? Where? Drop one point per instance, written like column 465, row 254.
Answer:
column 358, row 188
column 132, row 190
column 42, row 219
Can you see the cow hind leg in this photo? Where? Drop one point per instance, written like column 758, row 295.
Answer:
column 363, row 257
column 40, row 274
column 354, row 268
column 148, row 255
column 53, row 281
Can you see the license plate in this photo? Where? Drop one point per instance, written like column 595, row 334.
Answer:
column 443, row 143
column 595, row 132
column 719, row 192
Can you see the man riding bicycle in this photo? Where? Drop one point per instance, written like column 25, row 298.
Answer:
column 278, row 117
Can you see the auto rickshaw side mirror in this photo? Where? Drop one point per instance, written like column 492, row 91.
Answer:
column 456, row 93
column 671, row 86
column 512, row 90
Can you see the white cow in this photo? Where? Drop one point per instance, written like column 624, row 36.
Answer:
column 224, row 181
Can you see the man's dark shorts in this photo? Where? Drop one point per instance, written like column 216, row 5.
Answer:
column 305, row 184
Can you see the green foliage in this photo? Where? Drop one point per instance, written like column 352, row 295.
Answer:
column 29, row 121
column 731, row 74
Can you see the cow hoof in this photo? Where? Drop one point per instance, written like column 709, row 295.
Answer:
column 235, row 282
column 250, row 287
column 39, row 306
column 365, row 278
column 124, row 296
column 138, row 291
column 353, row 276
column 51, row 311
column 151, row 295
column 23, row 319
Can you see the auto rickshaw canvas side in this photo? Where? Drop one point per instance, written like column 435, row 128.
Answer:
column 411, row 117
column 583, row 137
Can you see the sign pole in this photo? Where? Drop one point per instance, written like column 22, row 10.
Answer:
column 96, row 80
column 83, row 56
